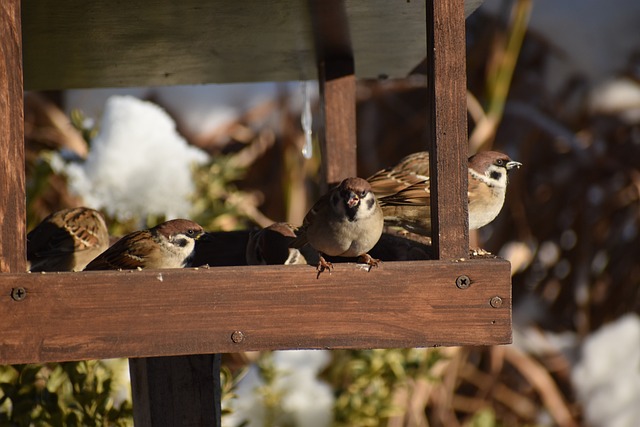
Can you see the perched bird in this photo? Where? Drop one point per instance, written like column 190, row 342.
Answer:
column 403, row 191
column 67, row 240
column 345, row 222
column 270, row 246
column 167, row 245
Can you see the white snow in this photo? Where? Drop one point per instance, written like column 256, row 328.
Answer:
column 202, row 109
column 304, row 400
column 138, row 164
column 607, row 378
column 617, row 96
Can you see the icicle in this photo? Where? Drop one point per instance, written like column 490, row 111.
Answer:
column 306, row 120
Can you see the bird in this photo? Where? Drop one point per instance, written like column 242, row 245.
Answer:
column 167, row 245
column 345, row 222
column 270, row 246
column 403, row 190
column 67, row 240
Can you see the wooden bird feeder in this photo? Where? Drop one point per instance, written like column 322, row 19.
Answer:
column 171, row 323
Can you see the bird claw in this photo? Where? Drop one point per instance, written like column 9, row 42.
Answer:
column 323, row 265
column 369, row 260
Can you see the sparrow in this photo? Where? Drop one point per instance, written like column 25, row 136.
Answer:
column 270, row 246
column 404, row 196
column 345, row 222
column 167, row 245
column 67, row 240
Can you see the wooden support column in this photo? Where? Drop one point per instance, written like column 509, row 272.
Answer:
column 176, row 390
column 337, row 89
column 338, row 105
column 449, row 151
column 12, row 179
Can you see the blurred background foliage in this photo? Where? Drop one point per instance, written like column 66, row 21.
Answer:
column 569, row 227
column 371, row 385
column 64, row 394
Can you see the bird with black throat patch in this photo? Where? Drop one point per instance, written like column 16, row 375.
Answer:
column 345, row 222
column 404, row 195
column 167, row 245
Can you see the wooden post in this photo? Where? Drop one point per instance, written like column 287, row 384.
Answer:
column 338, row 106
column 449, row 152
column 176, row 391
column 12, row 179
column 337, row 81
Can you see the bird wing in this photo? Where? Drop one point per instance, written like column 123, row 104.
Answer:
column 409, row 208
column 122, row 255
column 310, row 217
column 417, row 194
column 47, row 240
column 387, row 182
column 411, row 170
column 56, row 234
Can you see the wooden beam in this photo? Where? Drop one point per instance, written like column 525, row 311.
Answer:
column 93, row 315
column 73, row 44
column 176, row 391
column 447, row 99
column 12, row 179
column 336, row 77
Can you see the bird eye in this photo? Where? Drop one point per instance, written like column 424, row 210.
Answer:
column 363, row 194
column 500, row 162
column 191, row 232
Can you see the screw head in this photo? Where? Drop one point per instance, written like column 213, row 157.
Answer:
column 463, row 282
column 19, row 293
column 496, row 302
column 237, row 337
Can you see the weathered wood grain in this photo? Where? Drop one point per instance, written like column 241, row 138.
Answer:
column 12, row 180
column 73, row 44
column 338, row 104
column 449, row 151
column 89, row 315
column 336, row 77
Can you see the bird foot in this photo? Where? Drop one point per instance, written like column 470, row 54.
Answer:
column 323, row 265
column 369, row 260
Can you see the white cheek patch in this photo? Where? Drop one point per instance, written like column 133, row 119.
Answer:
column 493, row 177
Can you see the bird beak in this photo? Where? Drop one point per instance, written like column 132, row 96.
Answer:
column 513, row 164
column 205, row 237
column 353, row 200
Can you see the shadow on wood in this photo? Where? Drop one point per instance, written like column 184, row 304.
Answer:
column 176, row 390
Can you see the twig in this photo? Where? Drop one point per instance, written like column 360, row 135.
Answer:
column 540, row 379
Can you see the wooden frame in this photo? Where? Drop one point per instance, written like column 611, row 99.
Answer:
column 12, row 182
column 72, row 316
